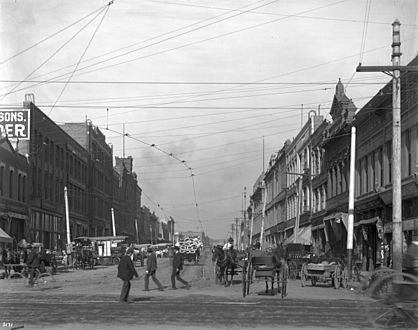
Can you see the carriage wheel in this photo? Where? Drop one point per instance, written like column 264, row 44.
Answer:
column 389, row 309
column 303, row 275
column 337, row 277
column 293, row 270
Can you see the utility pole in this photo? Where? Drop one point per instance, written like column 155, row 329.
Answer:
column 245, row 237
column 351, row 193
column 395, row 70
column 263, row 215
column 299, row 208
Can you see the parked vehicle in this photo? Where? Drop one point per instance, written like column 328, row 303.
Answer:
column 327, row 272
column 297, row 254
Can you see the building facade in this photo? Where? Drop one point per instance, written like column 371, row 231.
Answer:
column 70, row 162
column 14, row 192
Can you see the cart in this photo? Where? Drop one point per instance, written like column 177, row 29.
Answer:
column 266, row 267
column 297, row 254
column 192, row 257
column 85, row 254
column 325, row 272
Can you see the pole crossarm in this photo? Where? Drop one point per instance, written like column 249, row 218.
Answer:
column 386, row 68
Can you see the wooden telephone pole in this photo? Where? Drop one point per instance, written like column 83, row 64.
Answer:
column 395, row 72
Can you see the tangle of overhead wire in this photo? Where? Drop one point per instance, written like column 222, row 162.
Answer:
column 189, row 44
column 157, row 42
column 20, row 82
column 51, row 36
column 81, row 57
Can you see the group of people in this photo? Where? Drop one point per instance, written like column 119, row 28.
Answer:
column 127, row 271
column 12, row 260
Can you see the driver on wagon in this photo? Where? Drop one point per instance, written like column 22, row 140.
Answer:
column 229, row 245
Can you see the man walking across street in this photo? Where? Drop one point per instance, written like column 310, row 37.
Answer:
column 126, row 272
column 177, row 267
column 33, row 263
column 151, row 270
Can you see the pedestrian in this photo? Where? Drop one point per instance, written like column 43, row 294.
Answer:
column 177, row 267
column 151, row 270
column 9, row 260
column 33, row 263
column 126, row 272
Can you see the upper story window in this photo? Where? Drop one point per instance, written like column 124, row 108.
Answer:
column 11, row 175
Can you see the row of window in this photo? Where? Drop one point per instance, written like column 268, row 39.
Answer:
column 14, row 181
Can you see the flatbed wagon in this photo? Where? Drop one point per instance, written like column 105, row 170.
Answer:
column 332, row 273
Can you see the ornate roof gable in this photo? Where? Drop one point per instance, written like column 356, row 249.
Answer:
column 342, row 109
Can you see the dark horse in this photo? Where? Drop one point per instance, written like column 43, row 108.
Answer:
column 225, row 264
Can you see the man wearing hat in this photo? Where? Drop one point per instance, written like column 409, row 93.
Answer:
column 32, row 262
column 151, row 270
column 228, row 245
column 126, row 272
column 177, row 266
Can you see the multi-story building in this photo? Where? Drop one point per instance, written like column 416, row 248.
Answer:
column 257, row 201
column 100, row 171
column 319, row 177
column 74, row 156
column 373, row 207
column 275, row 179
column 14, row 192
column 337, row 159
column 56, row 161
column 125, row 214
column 299, row 183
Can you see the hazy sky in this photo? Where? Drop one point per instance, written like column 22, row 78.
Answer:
column 202, row 80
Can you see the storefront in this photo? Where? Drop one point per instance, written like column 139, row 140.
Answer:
column 335, row 230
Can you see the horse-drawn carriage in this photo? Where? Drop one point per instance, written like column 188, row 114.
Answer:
column 250, row 266
column 85, row 254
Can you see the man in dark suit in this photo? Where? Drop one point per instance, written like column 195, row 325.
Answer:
column 151, row 270
column 32, row 262
column 126, row 272
column 177, row 267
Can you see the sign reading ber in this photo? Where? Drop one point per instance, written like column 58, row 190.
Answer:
column 15, row 124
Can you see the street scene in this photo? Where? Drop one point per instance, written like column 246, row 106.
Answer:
column 205, row 164
column 89, row 299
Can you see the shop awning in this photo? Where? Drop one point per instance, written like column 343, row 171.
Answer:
column 4, row 238
column 304, row 236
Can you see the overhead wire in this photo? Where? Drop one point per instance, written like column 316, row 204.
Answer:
column 51, row 36
column 166, row 39
column 20, row 82
column 81, row 57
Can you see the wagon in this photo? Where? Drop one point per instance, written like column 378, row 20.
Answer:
column 192, row 257
column 297, row 254
column 268, row 268
column 325, row 272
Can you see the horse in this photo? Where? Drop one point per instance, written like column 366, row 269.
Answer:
column 225, row 264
